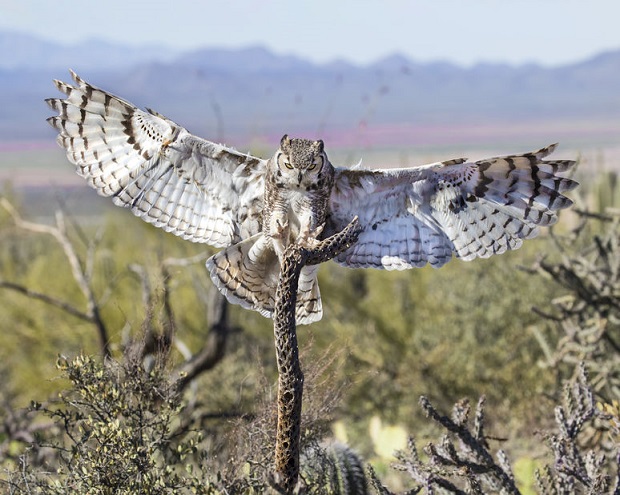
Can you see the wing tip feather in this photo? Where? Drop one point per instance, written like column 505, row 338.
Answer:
column 76, row 78
column 547, row 150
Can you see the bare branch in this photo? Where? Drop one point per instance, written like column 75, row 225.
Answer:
column 78, row 269
column 57, row 303
column 213, row 350
column 191, row 260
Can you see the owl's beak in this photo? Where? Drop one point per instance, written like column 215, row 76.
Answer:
column 299, row 175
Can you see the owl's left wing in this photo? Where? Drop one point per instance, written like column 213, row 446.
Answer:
column 410, row 217
column 191, row 187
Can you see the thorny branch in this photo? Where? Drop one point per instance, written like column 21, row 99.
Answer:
column 462, row 462
column 587, row 316
column 474, row 458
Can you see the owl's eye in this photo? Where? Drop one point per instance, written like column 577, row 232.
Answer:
column 282, row 160
column 318, row 162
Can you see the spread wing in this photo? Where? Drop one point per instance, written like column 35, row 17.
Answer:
column 410, row 217
column 196, row 189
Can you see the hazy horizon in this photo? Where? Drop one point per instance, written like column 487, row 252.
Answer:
column 547, row 32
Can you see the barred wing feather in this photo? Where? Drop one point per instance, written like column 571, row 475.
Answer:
column 196, row 189
column 421, row 215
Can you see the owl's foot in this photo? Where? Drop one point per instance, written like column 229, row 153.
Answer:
column 281, row 230
column 310, row 237
column 279, row 237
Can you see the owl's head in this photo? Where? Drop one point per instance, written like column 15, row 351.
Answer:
column 299, row 162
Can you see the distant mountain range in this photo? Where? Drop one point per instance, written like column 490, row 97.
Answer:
column 23, row 51
column 237, row 95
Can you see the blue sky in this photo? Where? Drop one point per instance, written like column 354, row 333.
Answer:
column 550, row 32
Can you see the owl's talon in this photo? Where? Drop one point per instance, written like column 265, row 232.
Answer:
column 281, row 229
column 318, row 231
column 310, row 237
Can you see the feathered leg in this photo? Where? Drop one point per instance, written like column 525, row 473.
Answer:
column 247, row 274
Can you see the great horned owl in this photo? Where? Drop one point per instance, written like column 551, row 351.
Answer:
column 254, row 208
column 298, row 184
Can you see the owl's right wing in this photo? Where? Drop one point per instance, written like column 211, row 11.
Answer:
column 193, row 188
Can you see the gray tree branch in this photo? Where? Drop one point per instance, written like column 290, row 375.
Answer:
column 79, row 270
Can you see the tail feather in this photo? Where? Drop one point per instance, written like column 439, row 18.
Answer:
column 309, row 307
column 247, row 274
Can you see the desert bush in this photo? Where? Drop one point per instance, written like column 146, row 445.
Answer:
column 119, row 431
column 462, row 461
column 126, row 427
column 586, row 317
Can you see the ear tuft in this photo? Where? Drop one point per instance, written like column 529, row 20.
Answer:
column 285, row 142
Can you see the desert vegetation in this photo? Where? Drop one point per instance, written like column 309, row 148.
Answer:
column 123, row 371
